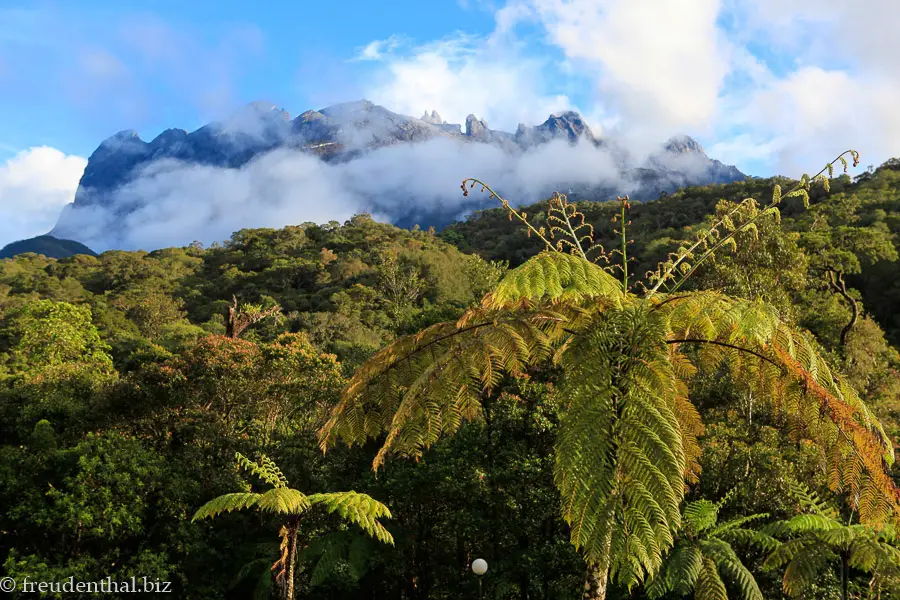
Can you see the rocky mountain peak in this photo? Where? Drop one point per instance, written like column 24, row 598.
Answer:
column 434, row 118
column 681, row 144
column 475, row 128
column 344, row 132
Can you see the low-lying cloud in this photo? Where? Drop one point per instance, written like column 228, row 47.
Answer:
column 172, row 203
column 34, row 186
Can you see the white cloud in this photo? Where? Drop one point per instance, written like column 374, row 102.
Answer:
column 177, row 203
column 378, row 49
column 651, row 77
column 462, row 75
column 841, row 91
column 659, row 63
column 770, row 83
column 34, row 186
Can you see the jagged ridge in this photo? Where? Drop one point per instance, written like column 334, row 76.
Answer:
column 341, row 133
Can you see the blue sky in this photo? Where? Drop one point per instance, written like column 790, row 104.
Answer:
column 296, row 54
column 773, row 86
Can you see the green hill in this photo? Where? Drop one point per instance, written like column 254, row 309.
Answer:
column 47, row 245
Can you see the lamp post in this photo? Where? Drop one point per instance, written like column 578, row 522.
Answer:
column 479, row 567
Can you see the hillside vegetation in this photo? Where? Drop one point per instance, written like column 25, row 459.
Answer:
column 130, row 380
column 46, row 245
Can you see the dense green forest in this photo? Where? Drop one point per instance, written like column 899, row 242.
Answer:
column 136, row 388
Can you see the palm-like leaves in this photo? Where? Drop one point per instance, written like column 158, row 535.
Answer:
column 819, row 541
column 356, row 508
column 703, row 558
column 627, row 446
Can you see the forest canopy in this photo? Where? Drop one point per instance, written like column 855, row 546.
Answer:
column 138, row 387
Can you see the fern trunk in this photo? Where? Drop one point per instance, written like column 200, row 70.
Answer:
column 845, row 573
column 291, row 559
column 595, row 583
column 597, row 576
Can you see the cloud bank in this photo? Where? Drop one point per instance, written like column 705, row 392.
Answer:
column 35, row 184
column 173, row 203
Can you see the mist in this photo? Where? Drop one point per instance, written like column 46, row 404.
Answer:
column 172, row 203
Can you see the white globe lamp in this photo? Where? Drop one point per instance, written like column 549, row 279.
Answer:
column 479, row 566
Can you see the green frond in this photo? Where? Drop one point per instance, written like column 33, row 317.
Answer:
column 284, row 501
column 799, row 193
column 735, row 524
column 785, row 366
column 425, row 385
column 359, row 509
column 804, row 569
column 554, row 277
column 326, row 553
column 226, row 503
column 736, row 573
column 328, row 561
column 359, row 555
column 265, row 469
column 709, row 584
column 809, row 523
column 619, row 456
column 750, row 537
column 700, row 515
column 810, row 501
column 680, row 573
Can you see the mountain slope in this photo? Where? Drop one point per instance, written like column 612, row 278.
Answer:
column 47, row 245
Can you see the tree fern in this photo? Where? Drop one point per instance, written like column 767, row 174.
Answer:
column 703, row 559
column 627, row 445
column 818, row 540
column 283, row 500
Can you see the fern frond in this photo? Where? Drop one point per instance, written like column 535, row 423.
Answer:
column 709, row 584
column 325, row 553
column 743, row 579
column 554, row 277
column 805, row 569
column 266, row 470
column 284, row 501
column 736, row 524
column 700, row 515
column 785, row 366
column 359, row 509
column 619, row 454
column 425, row 385
column 225, row 504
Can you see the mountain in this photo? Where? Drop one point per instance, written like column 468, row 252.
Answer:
column 47, row 245
column 345, row 132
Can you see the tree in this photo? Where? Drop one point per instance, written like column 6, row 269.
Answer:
column 240, row 317
column 703, row 553
column 400, row 286
column 46, row 334
column 839, row 248
column 627, row 444
column 819, row 539
column 358, row 509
